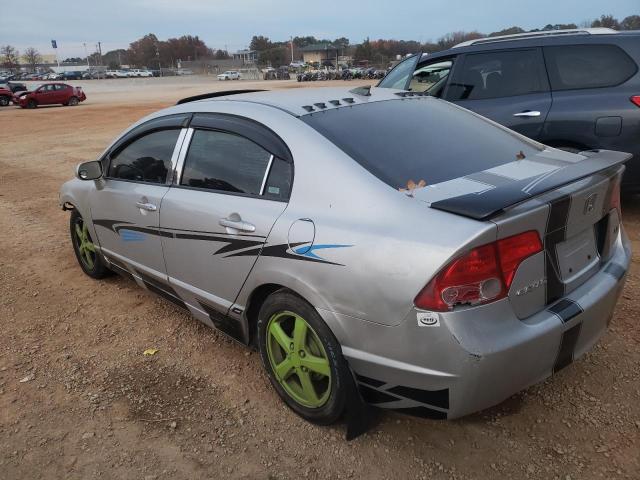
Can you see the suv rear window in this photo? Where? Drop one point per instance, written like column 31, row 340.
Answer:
column 588, row 66
column 419, row 139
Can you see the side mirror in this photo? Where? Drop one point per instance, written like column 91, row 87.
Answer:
column 89, row 170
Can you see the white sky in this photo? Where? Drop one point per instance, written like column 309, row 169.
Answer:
column 228, row 23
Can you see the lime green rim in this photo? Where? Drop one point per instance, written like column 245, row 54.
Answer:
column 298, row 359
column 86, row 248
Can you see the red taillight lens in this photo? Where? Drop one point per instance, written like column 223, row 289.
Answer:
column 635, row 100
column 480, row 276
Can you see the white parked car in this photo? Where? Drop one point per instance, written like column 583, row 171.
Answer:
column 116, row 74
column 229, row 75
column 136, row 72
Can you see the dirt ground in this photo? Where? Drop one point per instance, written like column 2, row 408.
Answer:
column 79, row 400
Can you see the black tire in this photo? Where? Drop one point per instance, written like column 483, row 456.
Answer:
column 73, row 101
column 95, row 269
column 4, row 101
column 331, row 410
column 32, row 103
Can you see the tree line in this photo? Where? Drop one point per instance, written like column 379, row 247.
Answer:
column 151, row 52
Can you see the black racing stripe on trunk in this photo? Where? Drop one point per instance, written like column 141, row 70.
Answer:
column 567, row 347
column 224, row 323
column 371, row 381
column 423, row 412
column 555, row 233
column 566, row 309
column 615, row 270
column 436, row 398
column 373, row 396
column 489, row 178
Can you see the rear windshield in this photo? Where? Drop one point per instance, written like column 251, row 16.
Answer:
column 418, row 139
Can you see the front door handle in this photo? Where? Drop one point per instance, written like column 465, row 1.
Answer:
column 527, row 113
column 237, row 224
column 150, row 207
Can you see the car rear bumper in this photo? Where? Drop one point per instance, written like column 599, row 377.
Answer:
column 477, row 357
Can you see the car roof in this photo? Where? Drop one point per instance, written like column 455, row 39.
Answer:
column 536, row 39
column 306, row 101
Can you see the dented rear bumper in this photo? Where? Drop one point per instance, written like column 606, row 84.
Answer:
column 475, row 358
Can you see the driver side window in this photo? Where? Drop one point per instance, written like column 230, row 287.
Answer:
column 146, row 159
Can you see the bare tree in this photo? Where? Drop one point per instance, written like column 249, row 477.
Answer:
column 33, row 58
column 9, row 57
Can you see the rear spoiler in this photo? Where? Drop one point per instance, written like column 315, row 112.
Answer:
column 488, row 203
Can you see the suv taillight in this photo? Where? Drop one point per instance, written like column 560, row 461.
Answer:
column 480, row 276
column 635, row 100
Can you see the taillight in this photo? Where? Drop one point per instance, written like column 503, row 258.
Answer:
column 635, row 100
column 480, row 276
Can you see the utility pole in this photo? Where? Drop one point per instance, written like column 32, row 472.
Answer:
column 86, row 54
column 100, row 52
column 291, row 43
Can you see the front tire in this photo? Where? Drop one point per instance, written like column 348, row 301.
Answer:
column 32, row 104
column 302, row 358
column 89, row 259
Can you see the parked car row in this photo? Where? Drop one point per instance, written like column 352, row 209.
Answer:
column 45, row 94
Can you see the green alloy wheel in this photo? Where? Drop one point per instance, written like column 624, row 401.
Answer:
column 84, row 248
column 298, row 359
column 302, row 358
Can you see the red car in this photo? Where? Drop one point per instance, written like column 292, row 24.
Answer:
column 50, row 94
column 6, row 96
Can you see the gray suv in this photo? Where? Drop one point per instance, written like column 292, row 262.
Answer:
column 571, row 89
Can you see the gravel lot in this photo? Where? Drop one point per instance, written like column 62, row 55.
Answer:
column 79, row 400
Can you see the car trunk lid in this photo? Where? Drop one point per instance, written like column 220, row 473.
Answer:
column 573, row 205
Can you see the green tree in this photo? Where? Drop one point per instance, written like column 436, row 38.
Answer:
column 632, row 22
column 507, row 31
column 606, row 21
column 260, row 43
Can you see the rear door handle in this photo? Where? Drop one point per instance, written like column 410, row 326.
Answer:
column 150, row 207
column 527, row 113
column 237, row 224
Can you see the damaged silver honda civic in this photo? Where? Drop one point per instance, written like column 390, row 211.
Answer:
column 374, row 245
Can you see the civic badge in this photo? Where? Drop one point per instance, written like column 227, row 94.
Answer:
column 590, row 203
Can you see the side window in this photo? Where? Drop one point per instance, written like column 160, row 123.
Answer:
column 588, row 66
column 498, row 74
column 146, row 159
column 225, row 161
column 430, row 77
column 278, row 184
column 398, row 77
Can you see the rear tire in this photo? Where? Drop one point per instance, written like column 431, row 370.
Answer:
column 73, row 101
column 87, row 255
column 302, row 358
column 4, row 101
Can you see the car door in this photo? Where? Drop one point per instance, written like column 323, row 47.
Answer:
column 233, row 182
column 125, row 206
column 508, row 86
column 62, row 93
column 46, row 94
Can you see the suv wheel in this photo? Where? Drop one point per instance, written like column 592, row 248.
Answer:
column 302, row 358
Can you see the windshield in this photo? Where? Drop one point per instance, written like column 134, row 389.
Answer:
column 419, row 139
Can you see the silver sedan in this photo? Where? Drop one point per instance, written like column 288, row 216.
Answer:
column 374, row 245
